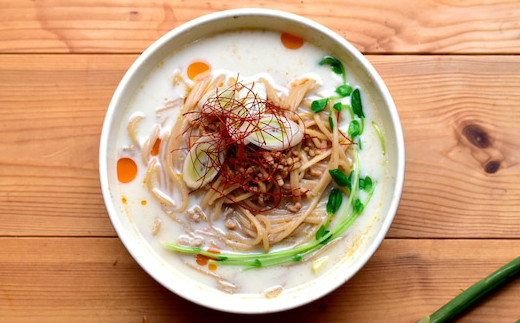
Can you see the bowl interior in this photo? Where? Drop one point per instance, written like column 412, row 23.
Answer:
column 204, row 27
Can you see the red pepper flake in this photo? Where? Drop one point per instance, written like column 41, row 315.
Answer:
column 155, row 148
column 201, row 259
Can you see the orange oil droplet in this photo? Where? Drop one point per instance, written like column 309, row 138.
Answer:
column 213, row 249
column 212, row 267
column 126, row 169
column 155, row 148
column 123, row 200
column 201, row 259
column 143, row 202
column 197, row 68
column 291, row 41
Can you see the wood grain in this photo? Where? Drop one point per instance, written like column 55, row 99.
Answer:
column 458, row 221
column 52, row 108
column 95, row 280
column 51, row 113
column 374, row 26
column 458, row 183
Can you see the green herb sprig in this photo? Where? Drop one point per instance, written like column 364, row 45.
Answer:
column 356, row 125
column 335, row 65
column 343, row 90
column 336, row 107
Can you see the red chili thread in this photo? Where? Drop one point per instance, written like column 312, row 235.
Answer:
column 228, row 121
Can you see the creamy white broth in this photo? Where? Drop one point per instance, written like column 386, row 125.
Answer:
column 250, row 54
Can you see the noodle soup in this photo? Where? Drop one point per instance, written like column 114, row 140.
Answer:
column 252, row 161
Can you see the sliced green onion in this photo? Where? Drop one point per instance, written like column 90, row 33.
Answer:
column 200, row 166
column 274, row 133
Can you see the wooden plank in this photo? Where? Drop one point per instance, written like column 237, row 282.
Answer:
column 51, row 113
column 374, row 26
column 95, row 279
column 460, row 117
column 52, row 109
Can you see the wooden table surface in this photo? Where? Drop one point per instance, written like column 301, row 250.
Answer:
column 452, row 66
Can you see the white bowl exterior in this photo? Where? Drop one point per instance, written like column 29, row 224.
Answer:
column 216, row 23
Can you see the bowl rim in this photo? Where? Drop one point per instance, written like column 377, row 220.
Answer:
column 373, row 245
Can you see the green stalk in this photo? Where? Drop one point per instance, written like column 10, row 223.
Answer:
column 380, row 135
column 349, row 108
column 474, row 294
column 352, row 218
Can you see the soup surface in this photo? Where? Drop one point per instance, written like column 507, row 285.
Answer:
column 260, row 69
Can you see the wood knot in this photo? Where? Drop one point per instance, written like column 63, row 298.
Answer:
column 476, row 135
column 492, row 166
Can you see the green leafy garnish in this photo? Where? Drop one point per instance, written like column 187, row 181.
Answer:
column 321, row 232
column 335, row 65
column 319, row 105
column 339, row 177
column 365, row 184
column 349, row 181
column 358, row 206
column 355, row 101
column 354, row 129
column 337, row 107
column 334, row 201
column 344, row 90
column 323, row 235
column 297, row 258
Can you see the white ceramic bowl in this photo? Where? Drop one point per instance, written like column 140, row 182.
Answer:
column 231, row 20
